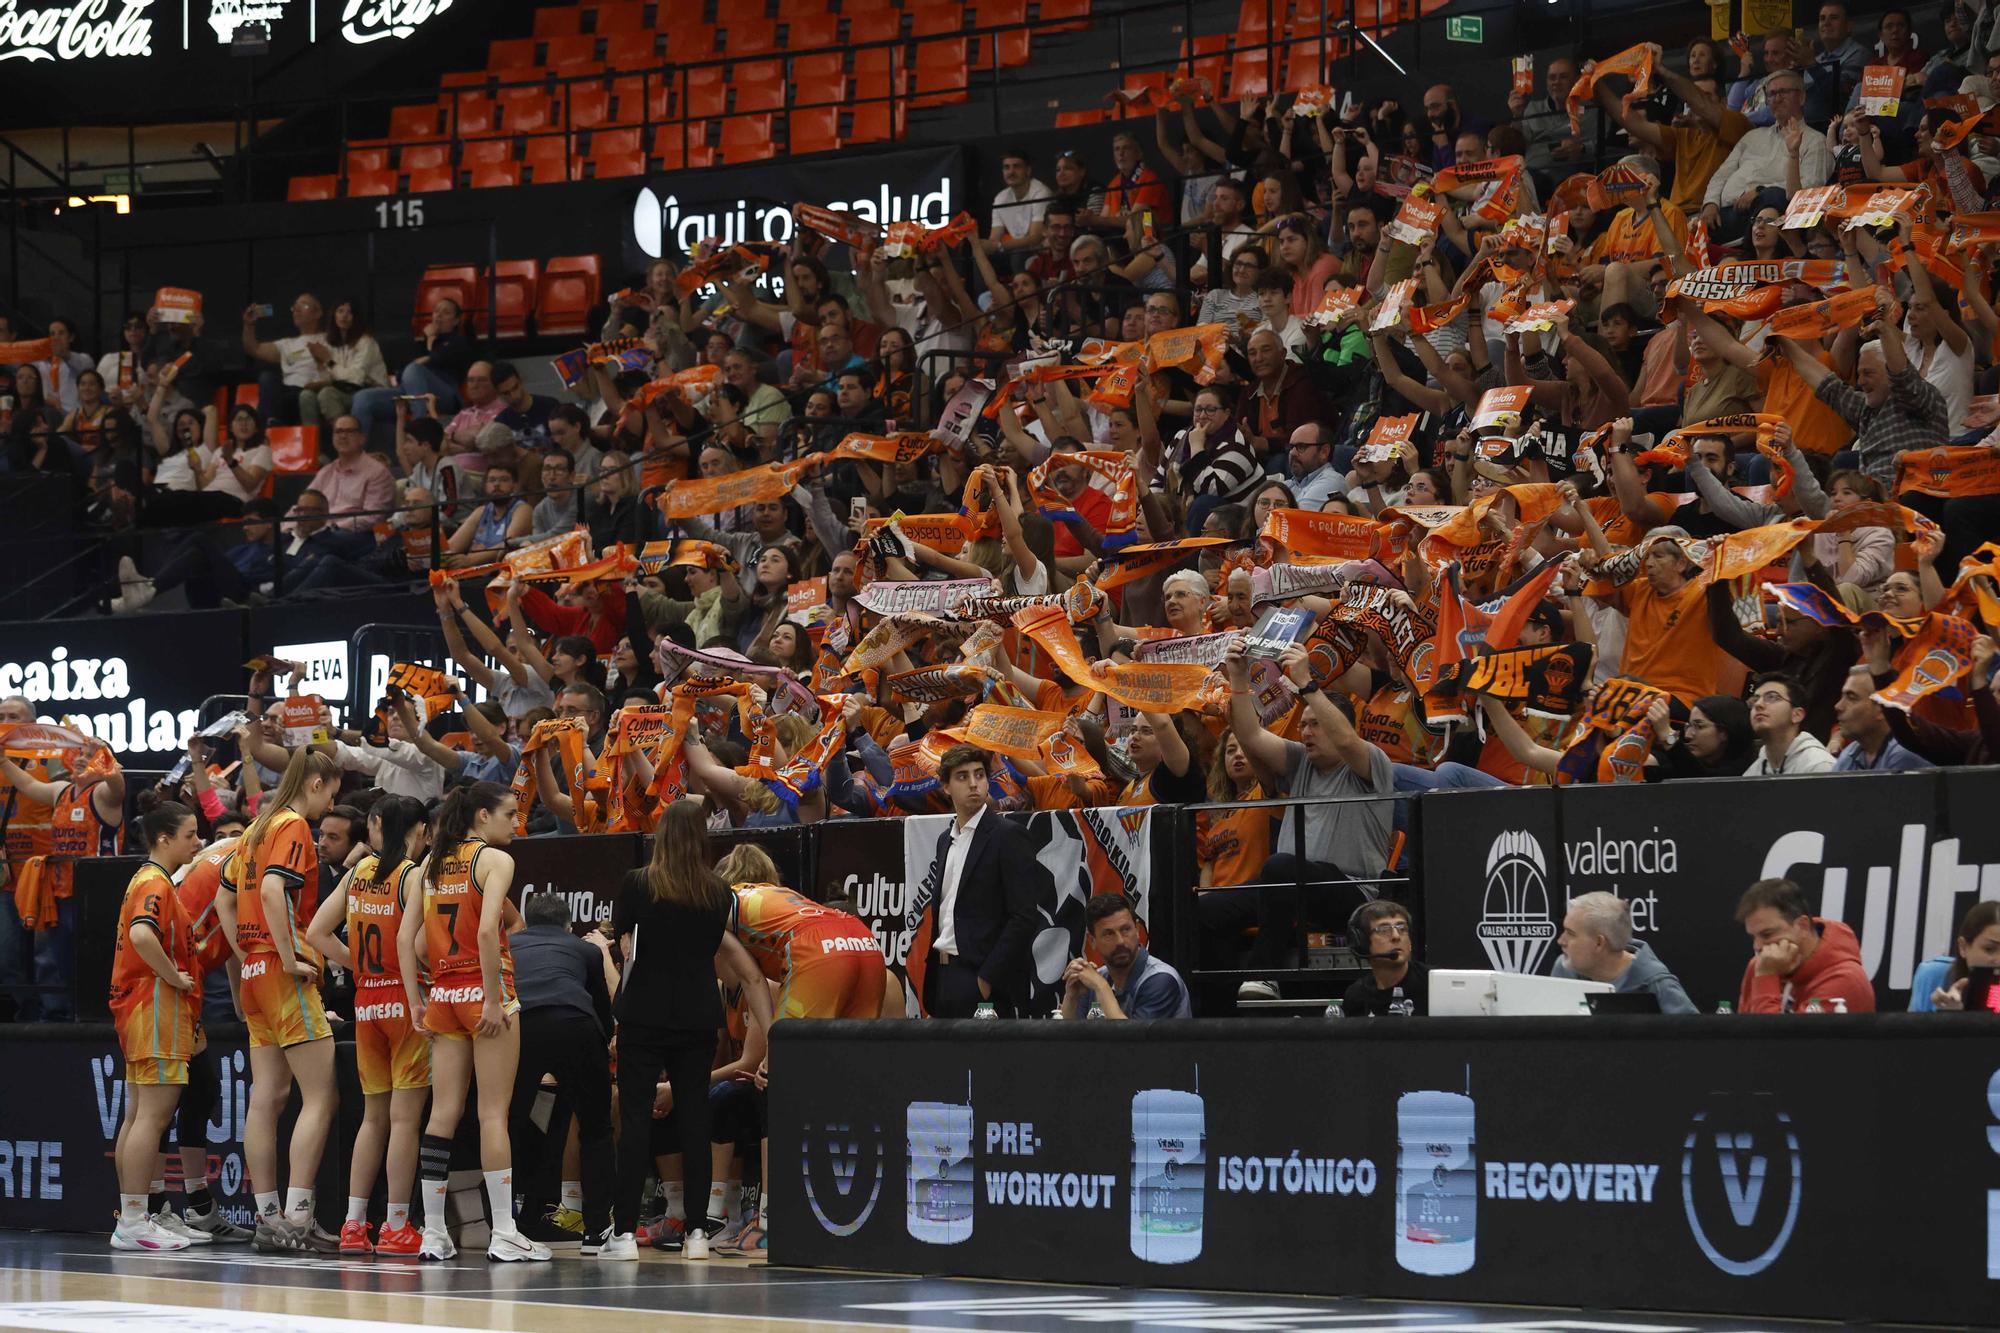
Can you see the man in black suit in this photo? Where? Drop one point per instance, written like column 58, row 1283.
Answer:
column 989, row 884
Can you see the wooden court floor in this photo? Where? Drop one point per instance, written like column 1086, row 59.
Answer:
column 76, row 1284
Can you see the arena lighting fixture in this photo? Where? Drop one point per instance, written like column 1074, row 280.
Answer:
column 1348, row 26
column 122, row 202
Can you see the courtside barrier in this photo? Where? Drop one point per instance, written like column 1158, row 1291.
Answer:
column 1832, row 1167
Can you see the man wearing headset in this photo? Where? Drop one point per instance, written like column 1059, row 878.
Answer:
column 1396, row 983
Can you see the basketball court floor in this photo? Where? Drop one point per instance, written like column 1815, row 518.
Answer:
column 74, row 1283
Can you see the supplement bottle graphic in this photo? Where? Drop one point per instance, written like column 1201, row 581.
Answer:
column 1169, row 1175
column 938, row 1206
column 1437, row 1181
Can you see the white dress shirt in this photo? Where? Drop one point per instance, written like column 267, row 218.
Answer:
column 1759, row 160
column 954, row 869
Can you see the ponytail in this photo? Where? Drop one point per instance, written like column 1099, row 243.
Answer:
column 398, row 815
column 454, row 820
column 306, row 764
column 163, row 821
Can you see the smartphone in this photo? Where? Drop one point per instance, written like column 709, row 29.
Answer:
column 267, row 310
column 857, row 511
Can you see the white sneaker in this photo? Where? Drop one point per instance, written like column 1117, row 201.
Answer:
column 169, row 1221
column 695, row 1244
column 622, row 1245
column 437, row 1245
column 511, row 1247
column 134, row 589
column 146, row 1236
column 1257, row 990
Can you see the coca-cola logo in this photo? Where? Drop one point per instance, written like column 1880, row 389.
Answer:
column 86, row 30
column 365, row 21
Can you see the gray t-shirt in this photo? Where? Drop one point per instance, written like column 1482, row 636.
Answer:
column 1353, row 836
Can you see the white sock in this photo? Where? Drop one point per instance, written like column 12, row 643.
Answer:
column 298, row 1206
column 131, row 1208
column 357, row 1209
column 676, row 1198
column 500, row 1197
column 399, row 1217
column 267, row 1203
column 572, row 1195
column 434, row 1194
column 717, row 1196
column 158, row 1185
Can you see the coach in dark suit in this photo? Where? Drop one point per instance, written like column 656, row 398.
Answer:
column 989, row 885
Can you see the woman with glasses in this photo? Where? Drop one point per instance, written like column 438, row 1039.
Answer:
column 1236, row 304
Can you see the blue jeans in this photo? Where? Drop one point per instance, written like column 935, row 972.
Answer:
column 41, row 957
column 1445, row 777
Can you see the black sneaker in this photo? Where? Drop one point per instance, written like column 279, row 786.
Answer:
column 594, row 1241
column 542, row 1227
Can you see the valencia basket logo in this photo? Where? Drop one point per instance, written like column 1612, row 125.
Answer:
column 1741, row 1182
column 1515, row 926
column 843, row 1169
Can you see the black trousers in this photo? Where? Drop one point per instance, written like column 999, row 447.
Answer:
column 568, row 1045
column 951, row 990
column 685, row 1058
column 1278, row 910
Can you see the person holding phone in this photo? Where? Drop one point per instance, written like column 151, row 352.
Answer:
column 1941, row 983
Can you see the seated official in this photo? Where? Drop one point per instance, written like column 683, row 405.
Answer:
column 1132, row 983
column 1800, row 958
column 1940, row 982
column 1597, row 945
column 1396, row 984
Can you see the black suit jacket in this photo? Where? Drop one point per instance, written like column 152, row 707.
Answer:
column 995, row 917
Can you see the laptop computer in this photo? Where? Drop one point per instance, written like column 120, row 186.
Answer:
column 1623, row 1002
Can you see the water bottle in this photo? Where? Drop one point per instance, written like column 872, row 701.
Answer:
column 1334, row 1009
column 1096, row 1009
column 1840, row 1004
column 1437, row 1183
column 1725, row 1008
column 986, row 1010
column 939, row 1198
column 1169, row 1169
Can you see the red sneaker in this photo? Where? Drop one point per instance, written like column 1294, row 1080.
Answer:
column 403, row 1243
column 354, row 1239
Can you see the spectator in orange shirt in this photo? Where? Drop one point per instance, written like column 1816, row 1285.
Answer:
column 1135, row 186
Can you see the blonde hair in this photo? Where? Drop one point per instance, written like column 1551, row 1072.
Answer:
column 306, row 764
column 747, row 863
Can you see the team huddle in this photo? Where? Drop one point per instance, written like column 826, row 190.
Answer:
column 421, row 918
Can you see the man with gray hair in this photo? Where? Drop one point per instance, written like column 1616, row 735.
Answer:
column 1890, row 405
column 1756, row 173
column 1597, row 945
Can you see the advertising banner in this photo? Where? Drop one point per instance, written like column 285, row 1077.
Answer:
column 1433, row 1160
column 1898, row 856
column 583, row 869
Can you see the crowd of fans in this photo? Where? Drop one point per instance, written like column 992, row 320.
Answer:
column 1633, row 430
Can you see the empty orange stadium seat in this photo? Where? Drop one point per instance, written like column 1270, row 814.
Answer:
column 510, row 52
column 513, row 287
column 1306, row 63
column 690, row 41
column 873, row 123
column 706, row 101
column 471, row 113
column 760, row 94
column 1069, row 120
column 433, row 180
column 941, row 73
column 294, row 449
column 1071, row 15
column 485, row 152
column 936, row 18
column 589, row 107
column 630, row 140
column 370, row 184
column 1010, row 48
column 813, row 130
column 567, row 52
column 794, row 10
column 750, row 36
column 873, row 69
column 490, row 175
column 1249, row 73
column 620, row 18
column 558, row 21
column 306, row 189
column 812, row 32
column 883, row 25
column 746, row 138
column 677, row 153
column 523, row 85
column 527, row 117
column 608, row 166
column 367, row 159
column 464, row 78
column 814, row 72
column 413, row 122
column 547, row 157
column 423, row 156
column 569, row 288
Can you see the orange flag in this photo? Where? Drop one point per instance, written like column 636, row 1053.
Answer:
column 715, row 495
column 1635, row 62
column 1939, row 655
column 1823, row 317
column 1950, row 471
column 1308, row 537
column 1150, row 687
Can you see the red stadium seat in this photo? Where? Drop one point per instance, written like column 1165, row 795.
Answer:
column 370, row 184
column 690, row 41
column 570, row 286
column 423, row 156
column 1070, row 15
column 568, row 52
column 607, row 166
column 589, row 107
column 873, row 69
column 547, row 158
column 677, row 153
column 936, row 18
column 558, row 21
column 515, row 282
column 1307, row 63
column 433, row 180
column 472, row 114
column 941, row 73
column 746, row 139
column 812, row 73
column 760, row 95
column 294, row 449
column 410, row 123
column 527, row 117
column 1011, row 48
column 510, row 53
column 1249, row 73
column 458, row 282
column 813, row 130
column 527, row 84
column 464, row 78
column 309, row 189
column 1069, row 120
column 813, row 32
column 750, row 36
column 706, row 101
column 794, row 10
column 1205, row 58
column 629, row 140
column 489, row 175
column 884, row 25
column 621, row 18
column 486, row 152
column 367, row 159
column 873, row 123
